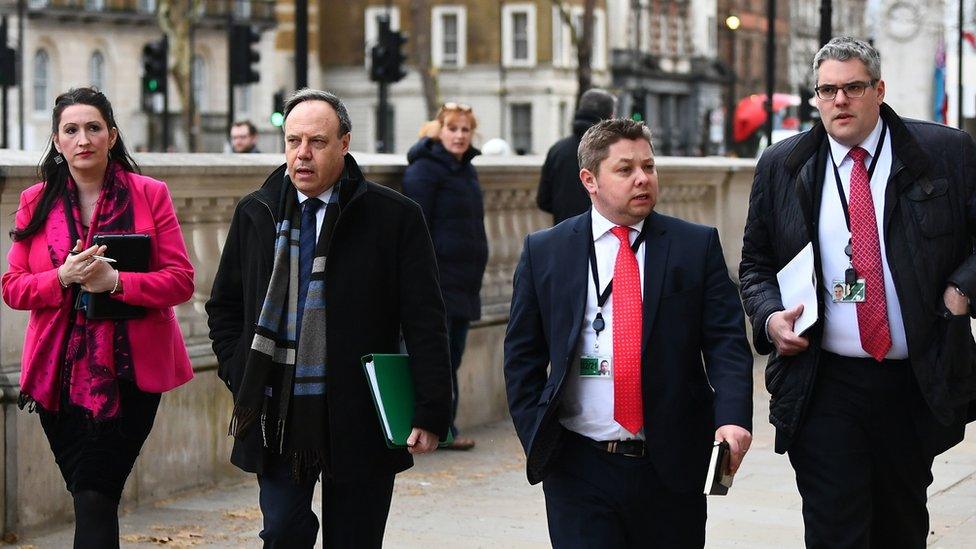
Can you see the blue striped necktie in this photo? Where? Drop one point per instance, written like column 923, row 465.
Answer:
column 306, row 255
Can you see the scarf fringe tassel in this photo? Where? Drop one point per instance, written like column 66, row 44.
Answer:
column 241, row 420
column 307, row 464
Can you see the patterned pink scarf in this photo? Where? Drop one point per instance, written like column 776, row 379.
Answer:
column 97, row 353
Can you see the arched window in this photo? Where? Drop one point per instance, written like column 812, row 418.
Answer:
column 199, row 83
column 42, row 79
column 96, row 70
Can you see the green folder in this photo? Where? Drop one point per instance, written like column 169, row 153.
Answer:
column 391, row 385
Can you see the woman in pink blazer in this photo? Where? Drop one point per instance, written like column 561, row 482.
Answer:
column 95, row 384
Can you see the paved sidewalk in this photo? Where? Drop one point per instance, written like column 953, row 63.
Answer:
column 481, row 499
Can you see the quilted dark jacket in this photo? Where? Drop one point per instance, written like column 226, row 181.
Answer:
column 929, row 229
column 449, row 193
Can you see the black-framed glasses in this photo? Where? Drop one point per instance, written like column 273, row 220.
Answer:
column 852, row 90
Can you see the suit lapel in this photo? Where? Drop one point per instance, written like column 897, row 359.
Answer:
column 573, row 292
column 657, row 245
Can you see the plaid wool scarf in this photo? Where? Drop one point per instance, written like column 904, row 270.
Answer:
column 284, row 381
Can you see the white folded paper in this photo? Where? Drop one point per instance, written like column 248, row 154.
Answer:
column 797, row 284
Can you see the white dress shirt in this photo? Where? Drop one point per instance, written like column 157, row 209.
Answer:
column 587, row 404
column 320, row 214
column 841, row 335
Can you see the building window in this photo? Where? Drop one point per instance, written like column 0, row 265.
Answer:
column 242, row 101
column 242, row 9
column 200, row 83
column 560, row 32
column 518, row 35
column 521, row 116
column 96, row 70
column 38, row 4
column 449, row 36
column 42, row 81
column 94, row 5
column 598, row 60
column 564, row 52
column 372, row 30
column 147, row 6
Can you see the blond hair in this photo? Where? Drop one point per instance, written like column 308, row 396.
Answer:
column 432, row 128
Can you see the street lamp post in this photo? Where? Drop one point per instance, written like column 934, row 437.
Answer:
column 732, row 23
column 770, row 67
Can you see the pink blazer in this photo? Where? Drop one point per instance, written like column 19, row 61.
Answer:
column 159, row 357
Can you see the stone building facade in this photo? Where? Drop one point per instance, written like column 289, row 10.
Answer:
column 512, row 61
column 70, row 43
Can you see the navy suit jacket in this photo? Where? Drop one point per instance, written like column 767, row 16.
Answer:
column 696, row 362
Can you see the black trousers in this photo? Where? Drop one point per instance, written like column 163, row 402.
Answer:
column 353, row 513
column 457, row 337
column 859, row 461
column 596, row 500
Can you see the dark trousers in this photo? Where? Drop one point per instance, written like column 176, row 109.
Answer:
column 859, row 462
column 457, row 336
column 596, row 500
column 353, row 513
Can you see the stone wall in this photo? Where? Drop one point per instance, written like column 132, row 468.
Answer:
column 188, row 446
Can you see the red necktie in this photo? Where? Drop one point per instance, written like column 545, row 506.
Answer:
column 872, row 313
column 628, row 407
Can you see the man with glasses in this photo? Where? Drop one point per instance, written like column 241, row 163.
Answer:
column 882, row 383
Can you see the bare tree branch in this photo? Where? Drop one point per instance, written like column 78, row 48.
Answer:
column 176, row 18
column 420, row 39
column 582, row 40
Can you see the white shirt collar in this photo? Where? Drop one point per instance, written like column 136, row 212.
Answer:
column 602, row 225
column 840, row 151
column 324, row 197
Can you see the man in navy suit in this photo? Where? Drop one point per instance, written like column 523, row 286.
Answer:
column 622, row 452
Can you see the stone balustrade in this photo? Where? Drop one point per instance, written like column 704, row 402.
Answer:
column 189, row 446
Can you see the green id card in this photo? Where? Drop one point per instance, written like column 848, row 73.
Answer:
column 596, row 366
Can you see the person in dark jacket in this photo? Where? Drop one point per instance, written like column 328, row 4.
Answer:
column 866, row 398
column 560, row 191
column 442, row 180
column 289, row 345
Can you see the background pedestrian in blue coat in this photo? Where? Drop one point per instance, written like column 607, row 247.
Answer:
column 442, row 180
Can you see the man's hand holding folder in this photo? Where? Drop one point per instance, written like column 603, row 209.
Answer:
column 421, row 441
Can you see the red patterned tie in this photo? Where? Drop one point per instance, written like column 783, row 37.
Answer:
column 872, row 313
column 628, row 407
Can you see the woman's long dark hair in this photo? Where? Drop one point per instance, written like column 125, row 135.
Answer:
column 54, row 173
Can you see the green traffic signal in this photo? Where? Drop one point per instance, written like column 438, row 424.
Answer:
column 636, row 117
column 277, row 119
column 152, row 85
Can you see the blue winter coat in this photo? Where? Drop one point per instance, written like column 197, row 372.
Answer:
column 450, row 195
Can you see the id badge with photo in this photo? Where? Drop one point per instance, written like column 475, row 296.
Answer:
column 841, row 292
column 596, row 366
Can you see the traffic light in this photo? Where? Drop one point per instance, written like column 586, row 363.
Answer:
column 278, row 109
column 8, row 59
column 639, row 103
column 387, row 56
column 154, row 63
column 244, row 54
column 394, row 56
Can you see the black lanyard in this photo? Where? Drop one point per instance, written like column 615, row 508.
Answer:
column 840, row 186
column 601, row 298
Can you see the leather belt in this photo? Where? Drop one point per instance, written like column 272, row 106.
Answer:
column 629, row 448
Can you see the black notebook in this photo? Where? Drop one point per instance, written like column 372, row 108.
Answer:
column 131, row 254
column 718, row 480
